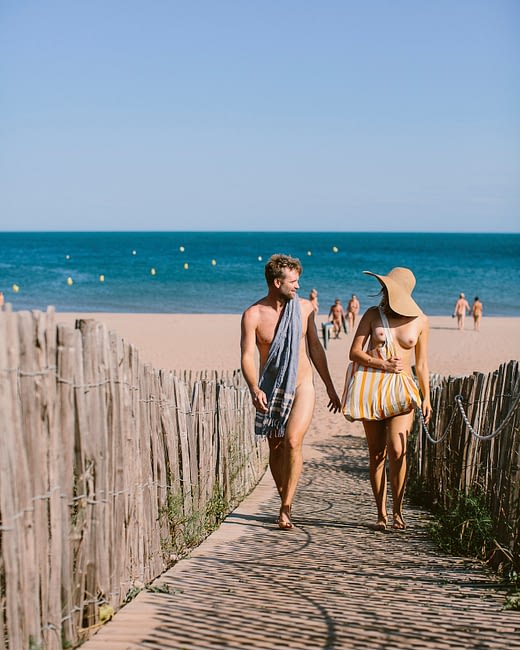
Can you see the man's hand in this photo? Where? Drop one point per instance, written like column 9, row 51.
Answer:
column 334, row 404
column 259, row 401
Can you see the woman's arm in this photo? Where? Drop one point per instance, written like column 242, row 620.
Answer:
column 421, row 368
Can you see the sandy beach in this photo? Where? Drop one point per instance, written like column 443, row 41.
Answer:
column 211, row 341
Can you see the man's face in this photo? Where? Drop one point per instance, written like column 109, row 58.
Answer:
column 288, row 285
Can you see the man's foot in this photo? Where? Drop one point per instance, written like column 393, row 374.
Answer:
column 284, row 518
column 379, row 525
column 398, row 522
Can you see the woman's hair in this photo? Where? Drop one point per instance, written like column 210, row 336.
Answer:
column 385, row 305
column 277, row 264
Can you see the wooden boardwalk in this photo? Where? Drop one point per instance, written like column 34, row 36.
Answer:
column 330, row 583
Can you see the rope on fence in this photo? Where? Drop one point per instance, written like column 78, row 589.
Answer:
column 458, row 402
column 436, row 441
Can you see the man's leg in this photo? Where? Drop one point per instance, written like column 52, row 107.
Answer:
column 375, row 432
column 297, row 425
column 397, row 431
column 276, row 457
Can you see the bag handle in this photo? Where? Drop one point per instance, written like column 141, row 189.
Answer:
column 388, row 334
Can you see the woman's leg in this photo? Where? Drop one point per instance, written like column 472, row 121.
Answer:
column 397, row 430
column 375, row 432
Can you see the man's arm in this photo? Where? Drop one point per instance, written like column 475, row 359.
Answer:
column 318, row 358
column 247, row 358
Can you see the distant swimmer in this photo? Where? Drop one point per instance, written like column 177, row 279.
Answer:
column 477, row 310
column 353, row 308
column 460, row 310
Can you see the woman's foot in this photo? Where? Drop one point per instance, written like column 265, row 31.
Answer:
column 284, row 518
column 379, row 525
column 398, row 522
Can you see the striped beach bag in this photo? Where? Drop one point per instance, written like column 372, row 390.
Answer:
column 373, row 394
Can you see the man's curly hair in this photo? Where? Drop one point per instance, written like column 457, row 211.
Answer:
column 277, row 265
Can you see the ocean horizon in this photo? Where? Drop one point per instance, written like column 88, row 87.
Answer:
column 222, row 272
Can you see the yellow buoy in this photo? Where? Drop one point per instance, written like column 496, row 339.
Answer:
column 101, row 278
column 186, row 265
column 15, row 288
column 70, row 281
column 181, row 248
column 152, row 271
column 335, row 249
column 213, row 262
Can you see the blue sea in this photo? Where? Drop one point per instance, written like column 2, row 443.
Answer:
column 222, row 272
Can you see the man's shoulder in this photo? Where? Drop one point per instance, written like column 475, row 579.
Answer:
column 255, row 309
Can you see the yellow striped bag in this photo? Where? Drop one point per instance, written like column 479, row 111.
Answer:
column 373, row 394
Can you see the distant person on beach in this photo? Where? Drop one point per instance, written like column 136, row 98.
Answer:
column 337, row 317
column 1, row 300
column 313, row 297
column 477, row 310
column 281, row 326
column 353, row 308
column 387, row 438
column 460, row 310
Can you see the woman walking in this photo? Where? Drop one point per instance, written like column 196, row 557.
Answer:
column 394, row 334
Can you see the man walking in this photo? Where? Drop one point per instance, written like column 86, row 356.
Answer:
column 281, row 326
column 460, row 310
column 353, row 308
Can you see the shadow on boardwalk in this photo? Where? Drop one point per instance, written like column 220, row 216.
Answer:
column 329, row 583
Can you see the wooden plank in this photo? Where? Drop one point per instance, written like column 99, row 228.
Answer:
column 13, row 491
column 32, row 468
column 182, row 428
column 62, row 453
column 57, row 514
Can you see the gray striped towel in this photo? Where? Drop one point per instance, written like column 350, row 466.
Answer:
column 278, row 378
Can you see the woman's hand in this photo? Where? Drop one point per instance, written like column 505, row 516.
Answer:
column 394, row 364
column 426, row 409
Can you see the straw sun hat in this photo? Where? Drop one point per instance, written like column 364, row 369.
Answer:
column 399, row 284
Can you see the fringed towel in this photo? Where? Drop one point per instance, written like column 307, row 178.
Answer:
column 278, row 378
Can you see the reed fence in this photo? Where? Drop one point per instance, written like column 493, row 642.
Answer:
column 109, row 471
column 472, row 446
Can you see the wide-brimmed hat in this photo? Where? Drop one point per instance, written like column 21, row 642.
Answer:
column 399, row 284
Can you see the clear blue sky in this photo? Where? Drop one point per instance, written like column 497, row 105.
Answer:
column 260, row 115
